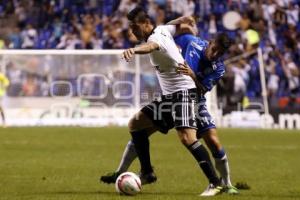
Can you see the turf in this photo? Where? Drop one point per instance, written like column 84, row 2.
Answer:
column 65, row 163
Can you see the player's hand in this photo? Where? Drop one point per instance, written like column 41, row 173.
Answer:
column 189, row 20
column 185, row 69
column 128, row 54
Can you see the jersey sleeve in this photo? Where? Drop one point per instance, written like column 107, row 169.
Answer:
column 171, row 29
column 156, row 38
column 210, row 80
column 162, row 35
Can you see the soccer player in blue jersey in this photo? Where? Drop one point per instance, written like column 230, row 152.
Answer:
column 206, row 68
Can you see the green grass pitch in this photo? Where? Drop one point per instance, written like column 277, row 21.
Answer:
column 65, row 163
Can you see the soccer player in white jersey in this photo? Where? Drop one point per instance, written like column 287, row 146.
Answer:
column 177, row 105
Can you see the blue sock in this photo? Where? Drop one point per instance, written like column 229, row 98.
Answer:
column 219, row 154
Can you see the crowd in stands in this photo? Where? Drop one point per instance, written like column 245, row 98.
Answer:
column 272, row 25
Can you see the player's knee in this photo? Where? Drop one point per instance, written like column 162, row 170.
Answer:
column 185, row 141
column 187, row 137
column 132, row 124
column 212, row 140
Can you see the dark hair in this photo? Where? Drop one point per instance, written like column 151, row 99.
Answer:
column 138, row 14
column 223, row 40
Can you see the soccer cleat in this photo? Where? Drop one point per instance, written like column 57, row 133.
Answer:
column 148, row 178
column 230, row 190
column 110, row 177
column 211, row 190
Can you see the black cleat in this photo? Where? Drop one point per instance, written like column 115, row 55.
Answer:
column 148, row 178
column 110, row 177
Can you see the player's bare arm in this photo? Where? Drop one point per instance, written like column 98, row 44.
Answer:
column 184, row 24
column 141, row 49
column 182, row 20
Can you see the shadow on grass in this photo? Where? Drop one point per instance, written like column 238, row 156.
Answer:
column 269, row 196
column 273, row 196
column 73, row 192
column 178, row 194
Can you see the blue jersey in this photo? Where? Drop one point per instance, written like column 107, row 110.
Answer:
column 193, row 50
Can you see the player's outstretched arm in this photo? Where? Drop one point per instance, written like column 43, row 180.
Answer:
column 184, row 24
column 141, row 49
column 182, row 20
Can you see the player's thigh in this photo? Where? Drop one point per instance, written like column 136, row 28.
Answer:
column 160, row 114
column 212, row 140
column 184, row 109
column 205, row 121
column 140, row 121
column 184, row 113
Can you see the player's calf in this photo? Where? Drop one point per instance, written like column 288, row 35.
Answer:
column 188, row 138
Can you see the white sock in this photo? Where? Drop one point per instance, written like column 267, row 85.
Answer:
column 223, row 168
column 128, row 157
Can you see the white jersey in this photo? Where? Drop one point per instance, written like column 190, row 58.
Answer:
column 166, row 60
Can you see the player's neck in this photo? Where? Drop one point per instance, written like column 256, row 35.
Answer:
column 151, row 30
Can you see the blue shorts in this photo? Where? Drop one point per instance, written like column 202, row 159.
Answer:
column 204, row 120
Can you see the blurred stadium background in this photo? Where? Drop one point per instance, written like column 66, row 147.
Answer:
column 72, row 85
column 60, row 66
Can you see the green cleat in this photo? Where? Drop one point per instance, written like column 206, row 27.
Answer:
column 211, row 190
column 231, row 190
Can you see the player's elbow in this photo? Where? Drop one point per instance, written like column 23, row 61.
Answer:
column 153, row 47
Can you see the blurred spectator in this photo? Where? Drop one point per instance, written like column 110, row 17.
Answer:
column 212, row 25
column 204, row 7
column 87, row 30
column 2, row 44
column 15, row 39
column 20, row 12
column 245, row 22
column 273, row 80
column 44, row 88
column 272, row 25
column 292, row 14
column 241, row 78
column 183, row 7
column 127, row 5
column 30, row 87
column 29, row 36
column 69, row 40
column 292, row 73
column 15, row 76
column 252, row 38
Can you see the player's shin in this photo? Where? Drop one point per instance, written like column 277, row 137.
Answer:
column 222, row 166
column 201, row 155
column 141, row 144
column 128, row 157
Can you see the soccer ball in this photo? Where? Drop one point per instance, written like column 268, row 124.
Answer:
column 128, row 183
